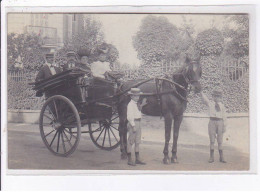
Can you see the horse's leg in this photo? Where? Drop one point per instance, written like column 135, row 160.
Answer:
column 168, row 126
column 176, row 128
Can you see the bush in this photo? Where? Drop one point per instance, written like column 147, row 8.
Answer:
column 21, row 95
column 235, row 93
column 210, row 42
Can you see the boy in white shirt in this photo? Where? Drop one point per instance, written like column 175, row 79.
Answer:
column 134, row 126
column 217, row 123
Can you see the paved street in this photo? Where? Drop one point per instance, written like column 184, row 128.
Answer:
column 27, row 151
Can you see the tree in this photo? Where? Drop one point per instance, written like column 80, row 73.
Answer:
column 112, row 54
column 210, row 42
column 90, row 39
column 24, row 49
column 236, row 32
column 158, row 40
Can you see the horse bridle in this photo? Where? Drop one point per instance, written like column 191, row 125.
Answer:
column 187, row 80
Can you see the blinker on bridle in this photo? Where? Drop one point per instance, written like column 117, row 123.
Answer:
column 184, row 74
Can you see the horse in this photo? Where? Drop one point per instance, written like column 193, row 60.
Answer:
column 170, row 105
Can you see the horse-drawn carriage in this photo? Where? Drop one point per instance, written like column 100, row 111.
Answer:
column 73, row 100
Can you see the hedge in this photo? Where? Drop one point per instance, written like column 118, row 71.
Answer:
column 21, row 95
column 235, row 93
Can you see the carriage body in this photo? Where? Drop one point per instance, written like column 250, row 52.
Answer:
column 75, row 99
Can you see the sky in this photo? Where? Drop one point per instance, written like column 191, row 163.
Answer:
column 119, row 29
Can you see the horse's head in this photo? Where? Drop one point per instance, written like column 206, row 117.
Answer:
column 192, row 73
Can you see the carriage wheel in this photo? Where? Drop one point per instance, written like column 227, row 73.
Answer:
column 60, row 125
column 105, row 134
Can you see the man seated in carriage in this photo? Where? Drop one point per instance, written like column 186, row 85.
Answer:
column 48, row 69
column 71, row 60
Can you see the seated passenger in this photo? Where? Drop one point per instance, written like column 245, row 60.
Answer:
column 48, row 69
column 71, row 60
column 83, row 54
column 100, row 67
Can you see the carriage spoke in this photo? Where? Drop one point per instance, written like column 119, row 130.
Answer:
column 114, row 127
column 114, row 123
column 54, row 118
column 98, row 128
column 56, row 110
column 114, row 118
column 114, row 135
column 70, row 133
column 62, row 138
column 58, row 142
column 49, row 133
column 100, row 134
column 104, row 137
column 67, row 138
column 53, row 138
column 48, row 117
column 109, row 137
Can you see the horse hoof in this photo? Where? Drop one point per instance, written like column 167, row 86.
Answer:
column 166, row 161
column 174, row 160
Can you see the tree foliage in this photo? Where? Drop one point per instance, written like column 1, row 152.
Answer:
column 24, row 49
column 90, row 39
column 236, row 31
column 210, row 42
column 158, row 40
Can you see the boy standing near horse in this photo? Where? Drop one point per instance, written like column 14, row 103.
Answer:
column 134, row 116
column 217, row 123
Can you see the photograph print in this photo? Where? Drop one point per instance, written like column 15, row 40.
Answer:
column 138, row 92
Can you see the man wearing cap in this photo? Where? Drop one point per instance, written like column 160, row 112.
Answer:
column 71, row 62
column 134, row 125
column 217, row 123
column 48, row 69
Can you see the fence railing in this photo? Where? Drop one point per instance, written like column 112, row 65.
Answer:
column 18, row 76
column 234, row 69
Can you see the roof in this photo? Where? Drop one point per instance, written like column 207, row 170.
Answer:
column 58, row 79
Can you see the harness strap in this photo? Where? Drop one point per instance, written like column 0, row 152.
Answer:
column 159, row 97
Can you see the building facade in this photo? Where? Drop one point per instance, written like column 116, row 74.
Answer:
column 54, row 29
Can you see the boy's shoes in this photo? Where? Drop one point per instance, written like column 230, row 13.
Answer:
column 130, row 161
column 221, row 157
column 222, row 160
column 138, row 161
column 211, row 159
